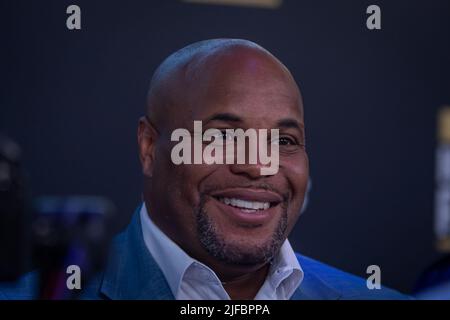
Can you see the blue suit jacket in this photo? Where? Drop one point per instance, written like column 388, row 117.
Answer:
column 132, row 273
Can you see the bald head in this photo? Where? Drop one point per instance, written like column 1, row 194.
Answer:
column 211, row 64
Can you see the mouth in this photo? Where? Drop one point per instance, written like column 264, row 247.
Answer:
column 245, row 205
column 248, row 206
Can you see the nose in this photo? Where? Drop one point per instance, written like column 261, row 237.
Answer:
column 252, row 171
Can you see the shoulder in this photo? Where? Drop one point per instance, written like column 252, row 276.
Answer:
column 343, row 284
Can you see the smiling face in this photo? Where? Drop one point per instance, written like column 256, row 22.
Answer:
column 228, row 213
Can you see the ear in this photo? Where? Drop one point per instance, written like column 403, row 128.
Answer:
column 146, row 141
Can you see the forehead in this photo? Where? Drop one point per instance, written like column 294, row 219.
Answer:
column 252, row 91
column 252, row 104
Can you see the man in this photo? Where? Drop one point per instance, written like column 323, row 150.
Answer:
column 219, row 231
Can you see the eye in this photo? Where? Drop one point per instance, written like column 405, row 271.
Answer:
column 286, row 141
column 223, row 135
column 217, row 136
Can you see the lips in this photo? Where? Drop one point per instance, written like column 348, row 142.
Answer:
column 249, row 206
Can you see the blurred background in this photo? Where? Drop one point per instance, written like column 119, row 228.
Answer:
column 72, row 99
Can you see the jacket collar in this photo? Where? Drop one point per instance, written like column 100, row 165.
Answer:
column 313, row 288
column 131, row 272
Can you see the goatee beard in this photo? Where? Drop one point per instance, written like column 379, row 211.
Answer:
column 218, row 247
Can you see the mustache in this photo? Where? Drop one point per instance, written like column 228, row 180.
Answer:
column 246, row 185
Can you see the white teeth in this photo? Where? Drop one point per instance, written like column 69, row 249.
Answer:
column 244, row 204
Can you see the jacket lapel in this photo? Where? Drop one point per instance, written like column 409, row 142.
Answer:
column 312, row 286
column 131, row 272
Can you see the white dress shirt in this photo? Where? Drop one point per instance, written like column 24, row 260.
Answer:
column 190, row 279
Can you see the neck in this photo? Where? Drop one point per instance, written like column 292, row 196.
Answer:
column 245, row 286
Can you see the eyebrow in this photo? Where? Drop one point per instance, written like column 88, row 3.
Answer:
column 289, row 123
column 229, row 117
column 226, row 117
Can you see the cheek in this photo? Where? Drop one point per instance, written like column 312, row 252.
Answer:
column 188, row 179
column 178, row 196
column 296, row 170
column 181, row 181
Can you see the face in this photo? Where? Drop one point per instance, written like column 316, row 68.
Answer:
column 230, row 212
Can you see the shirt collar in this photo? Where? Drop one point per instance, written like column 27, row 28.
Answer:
column 285, row 273
column 175, row 263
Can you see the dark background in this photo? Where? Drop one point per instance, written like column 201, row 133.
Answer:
column 72, row 100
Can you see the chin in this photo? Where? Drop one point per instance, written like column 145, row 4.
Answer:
column 254, row 253
column 243, row 246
